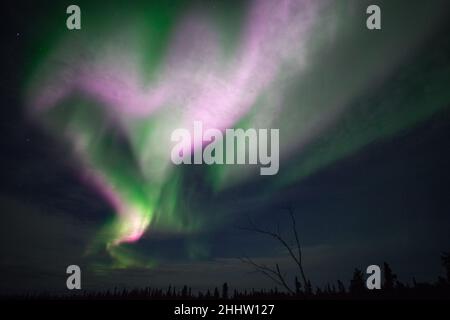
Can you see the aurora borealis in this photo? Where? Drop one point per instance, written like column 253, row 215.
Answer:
column 110, row 95
column 196, row 81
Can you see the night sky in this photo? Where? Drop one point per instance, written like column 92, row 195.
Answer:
column 364, row 119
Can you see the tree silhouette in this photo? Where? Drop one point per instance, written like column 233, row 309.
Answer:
column 298, row 286
column 445, row 260
column 439, row 289
column 225, row 291
column 295, row 253
column 216, row 293
column 357, row 284
column 389, row 277
column 184, row 291
column 341, row 287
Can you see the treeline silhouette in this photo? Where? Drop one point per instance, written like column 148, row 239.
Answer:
column 391, row 288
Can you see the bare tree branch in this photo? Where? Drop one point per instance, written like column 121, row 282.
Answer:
column 254, row 228
column 275, row 274
column 294, row 228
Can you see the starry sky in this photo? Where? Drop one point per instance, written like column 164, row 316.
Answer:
column 364, row 124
